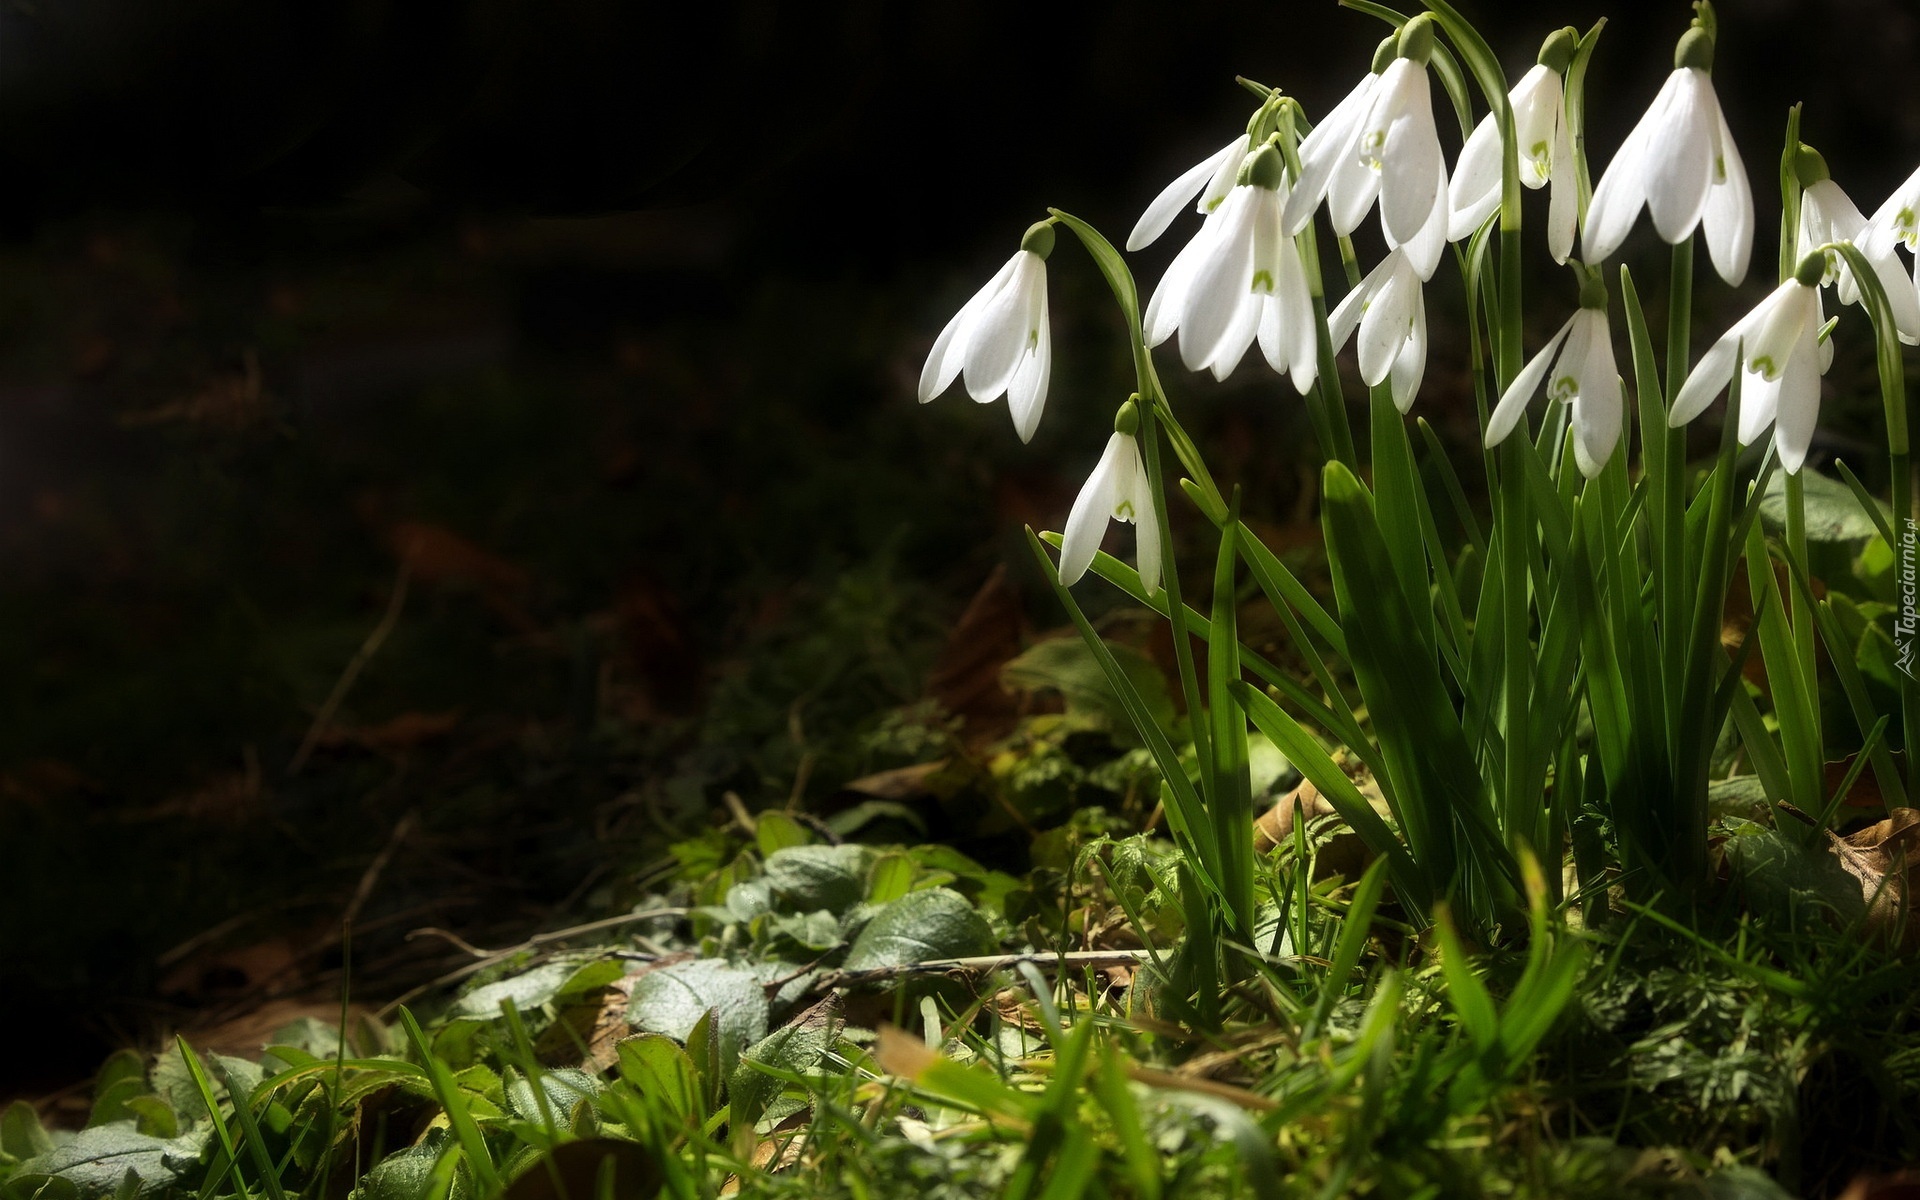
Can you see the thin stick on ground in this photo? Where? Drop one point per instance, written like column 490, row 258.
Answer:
column 355, row 665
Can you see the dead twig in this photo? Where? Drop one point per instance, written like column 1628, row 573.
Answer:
column 355, row 665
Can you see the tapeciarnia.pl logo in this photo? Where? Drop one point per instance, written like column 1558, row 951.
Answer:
column 1907, row 621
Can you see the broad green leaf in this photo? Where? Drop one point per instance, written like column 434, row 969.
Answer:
column 21, row 1135
column 541, row 985
column 774, row 831
column 406, row 1174
column 1067, row 666
column 796, row 1049
column 659, row 1070
column 810, row 878
column 96, row 1161
column 891, row 878
column 933, row 923
column 1833, row 512
column 565, row 1089
column 671, row 1000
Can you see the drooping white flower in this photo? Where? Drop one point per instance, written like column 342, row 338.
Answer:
column 1209, row 180
column 1584, row 376
column 1239, row 279
column 1381, row 142
column 1390, row 313
column 1827, row 216
column 1118, row 490
column 1545, row 153
column 1680, row 164
column 1896, row 221
column 1777, row 344
column 999, row 341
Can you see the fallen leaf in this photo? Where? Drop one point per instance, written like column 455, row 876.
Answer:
column 901, row 783
column 1345, row 854
column 1884, row 857
column 966, row 676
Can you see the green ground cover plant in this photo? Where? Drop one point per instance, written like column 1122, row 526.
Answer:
column 1553, row 841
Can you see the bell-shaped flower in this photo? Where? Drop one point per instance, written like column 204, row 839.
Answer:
column 1578, row 368
column 1778, row 345
column 1380, row 141
column 1896, row 221
column 1545, row 153
column 1389, row 310
column 1239, row 279
column 999, row 341
column 1209, row 180
column 1680, row 164
column 1118, row 490
column 1828, row 216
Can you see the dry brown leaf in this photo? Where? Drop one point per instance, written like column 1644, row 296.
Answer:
column 966, row 677
column 901, row 783
column 1345, row 854
column 1884, row 857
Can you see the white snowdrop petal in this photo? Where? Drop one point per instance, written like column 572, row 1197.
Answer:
column 1410, row 365
column 1221, row 280
column 1226, row 172
column 1427, row 247
column 1772, row 340
column 1174, row 197
column 1384, row 328
column 1238, row 337
column 1513, row 402
column 1087, row 519
column 1536, row 102
column 1617, row 198
column 1329, row 144
column 1895, row 220
column 1598, row 409
column 1704, row 382
column 1004, row 332
column 950, row 348
column 1345, row 317
column 1354, row 189
column 1295, row 301
column 1680, row 165
column 1170, row 295
column 1146, row 527
column 1474, row 191
column 1413, row 171
column 1728, row 214
column 1799, row 404
column 1563, row 199
column 1027, row 392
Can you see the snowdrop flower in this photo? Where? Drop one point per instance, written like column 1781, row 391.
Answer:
column 999, row 341
column 1379, row 141
column 1583, row 374
column 1390, row 313
column 1679, row 163
column 1827, row 215
column 1783, row 360
column 1118, row 490
column 1240, row 278
column 1210, row 180
column 1898, row 220
column 1545, row 156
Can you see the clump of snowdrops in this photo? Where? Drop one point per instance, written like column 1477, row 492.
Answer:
column 1555, row 681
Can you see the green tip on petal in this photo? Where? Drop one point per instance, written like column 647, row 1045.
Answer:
column 1809, row 166
column 1695, row 50
column 1386, row 52
column 1038, row 239
column 1812, row 269
column 1557, row 51
column 1264, row 168
column 1416, row 39
column 1126, row 422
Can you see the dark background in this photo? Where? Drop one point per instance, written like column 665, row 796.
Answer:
column 609, row 316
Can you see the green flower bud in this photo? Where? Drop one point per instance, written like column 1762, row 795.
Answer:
column 1264, row 168
column 1038, row 239
column 1558, row 50
column 1812, row 269
column 1127, row 420
column 1386, row 52
column 1695, row 50
column 1809, row 167
column 1416, row 39
column 1593, row 290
